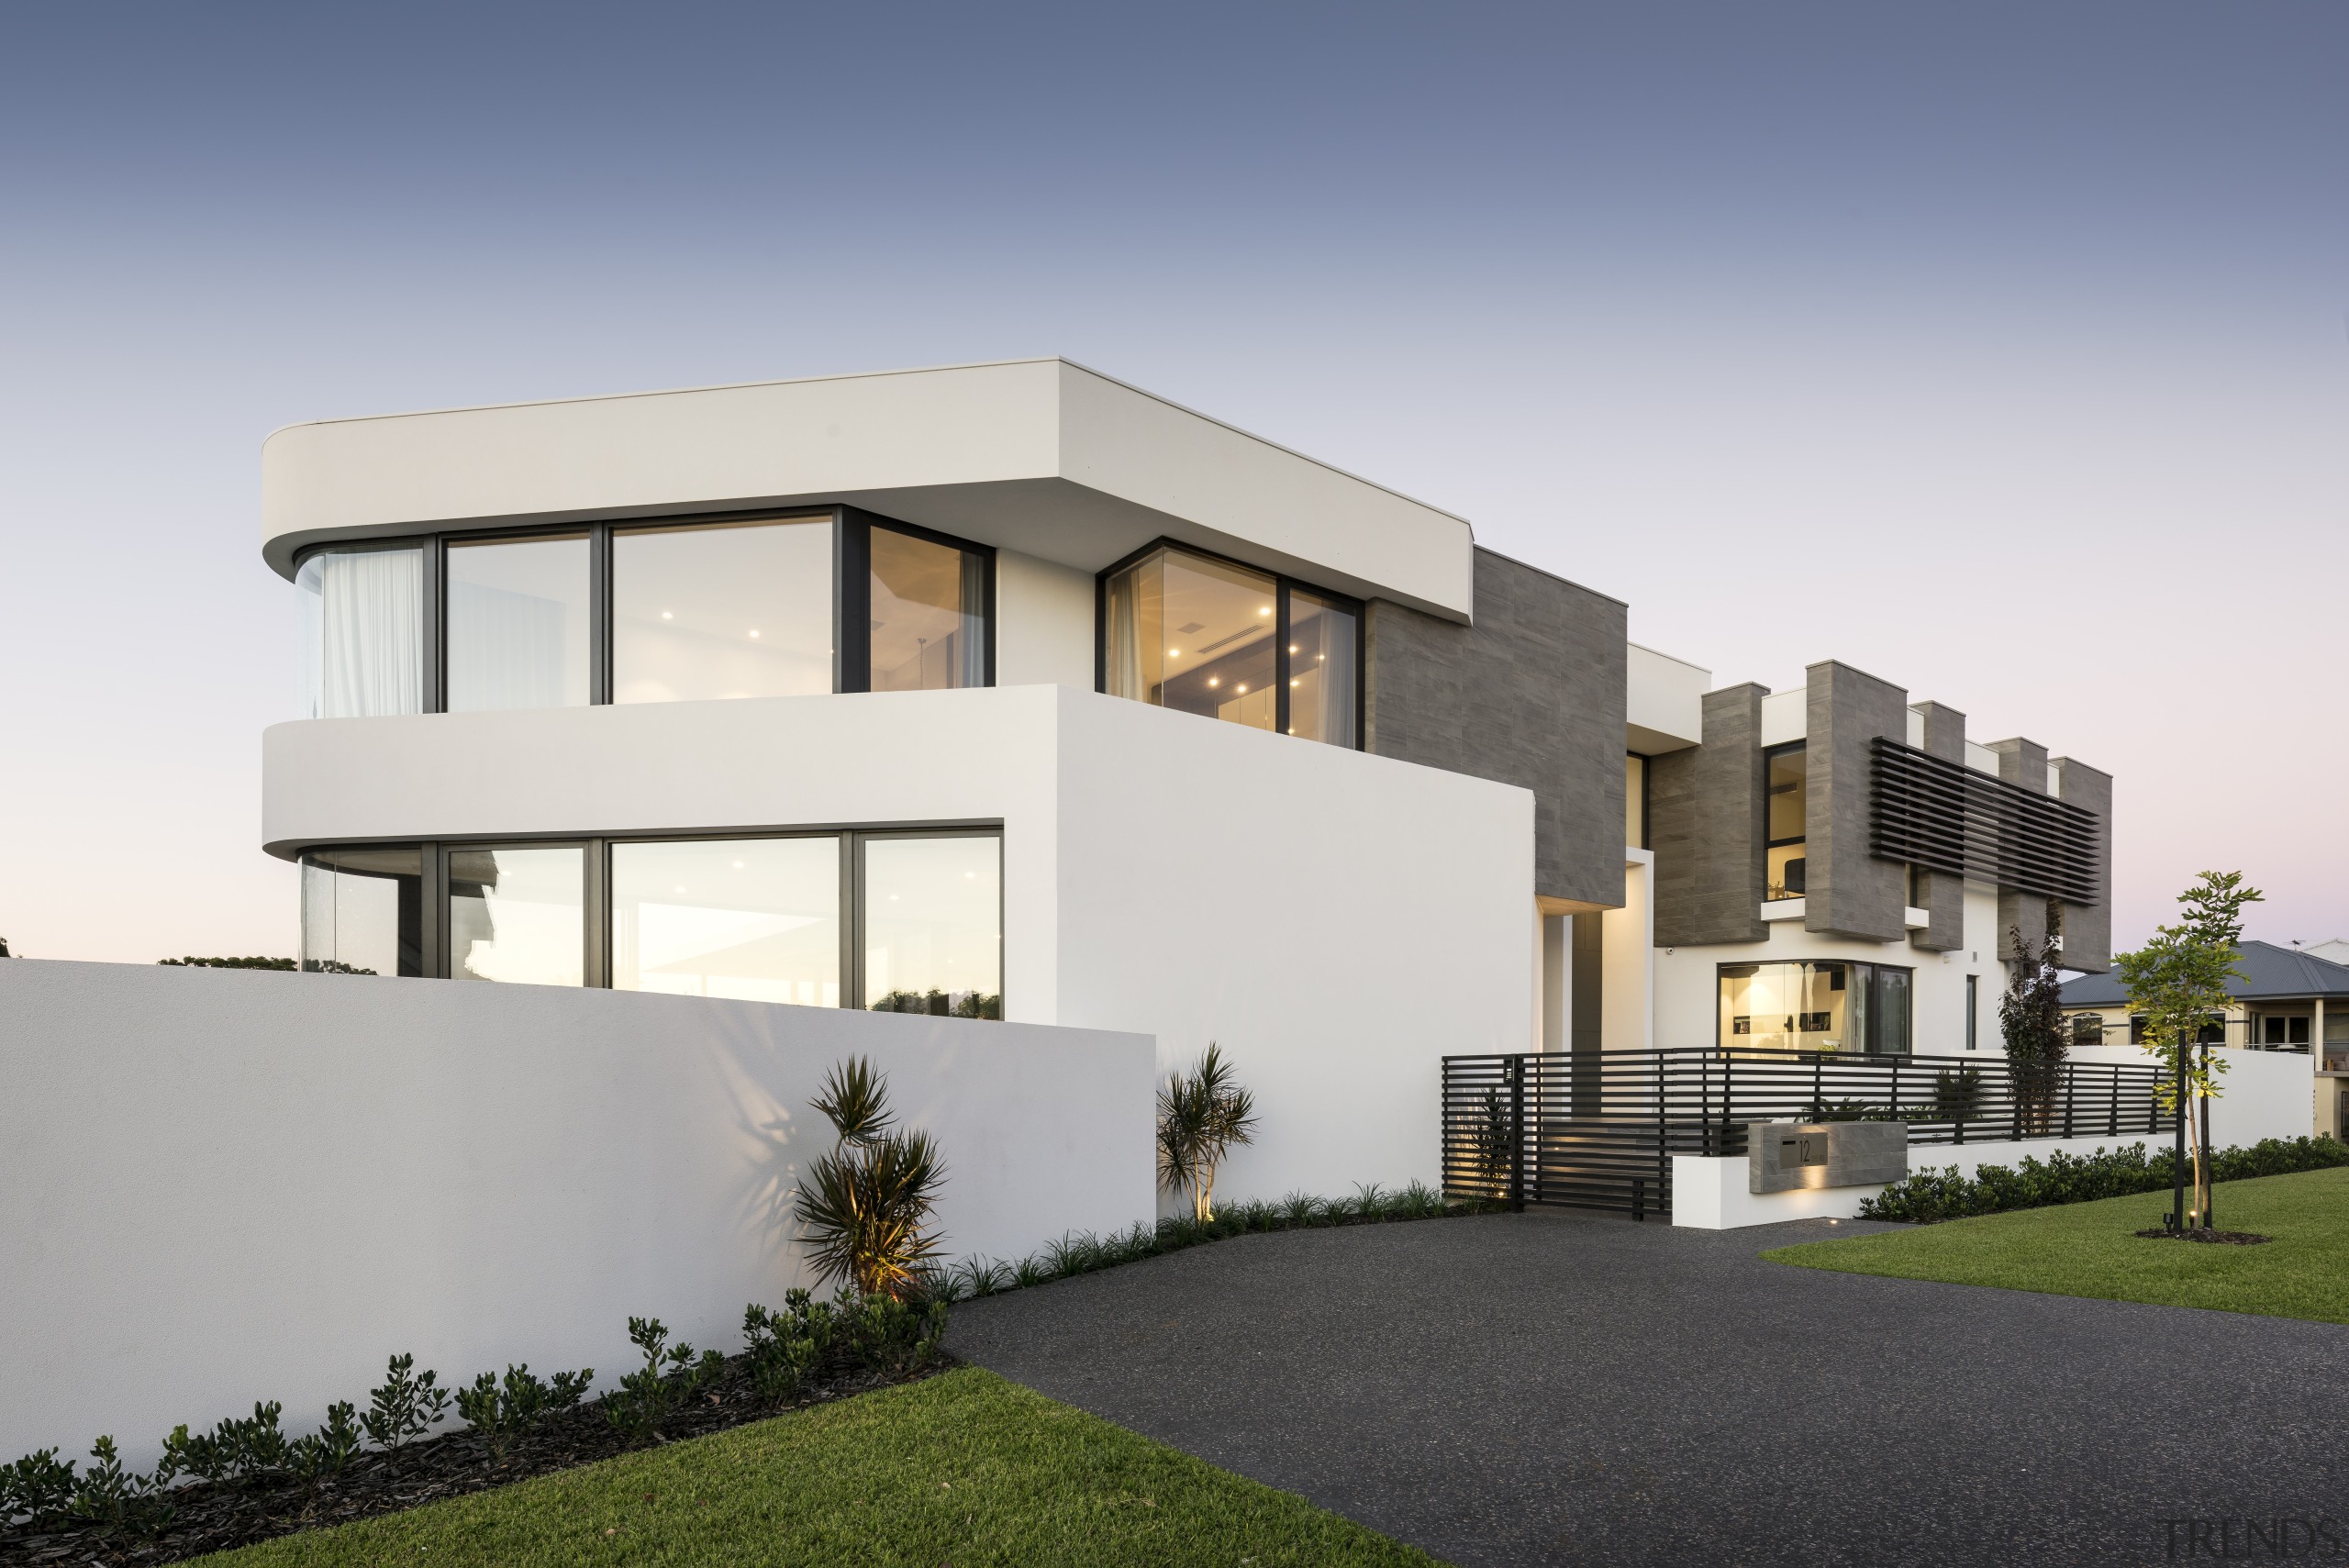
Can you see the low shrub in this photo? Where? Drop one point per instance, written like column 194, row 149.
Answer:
column 671, row 1376
column 1081, row 1251
column 1929, row 1195
column 502, row 1410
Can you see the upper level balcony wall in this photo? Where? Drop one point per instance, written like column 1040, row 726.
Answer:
column 1041, row 457
column 1664, row 701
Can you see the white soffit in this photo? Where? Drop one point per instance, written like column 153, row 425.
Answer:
column 1664, row 706
column 1039, row 456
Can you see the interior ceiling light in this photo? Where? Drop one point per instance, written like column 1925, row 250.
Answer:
column 754, row 631
column 666, row 616
column 1240, row 688
column 1174, row 653
column 1293, row 647
column 1266, row 610
column 1215, row 680
column 1296, row 683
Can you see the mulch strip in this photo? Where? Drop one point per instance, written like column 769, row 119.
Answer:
column 215, row 1516
column 2221, row 1238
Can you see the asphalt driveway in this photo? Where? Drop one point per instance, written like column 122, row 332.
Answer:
column 1544, row 1389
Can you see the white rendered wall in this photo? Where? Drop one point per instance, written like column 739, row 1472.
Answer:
column 217, row 1186
column 1663, row 706
column 2264, row 1096
column 1628, row 952
column 1339, row 921
column 1041, row 456
column 1688, row 981
column 1043, row 633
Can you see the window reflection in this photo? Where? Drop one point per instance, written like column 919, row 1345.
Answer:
column 517, row 623
column 929, row 615
column 933, row 937
column 754, row 918
column 362, row 912
column 723, row 610
column 518, row 916
column 362, row 632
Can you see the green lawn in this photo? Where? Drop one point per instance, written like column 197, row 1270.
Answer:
column 2086, row 1248
column 964, row 1468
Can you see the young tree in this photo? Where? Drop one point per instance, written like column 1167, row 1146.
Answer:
column 2178, row 981
column 1202, row 1116
column 2030, row 1020
column 864, row 1207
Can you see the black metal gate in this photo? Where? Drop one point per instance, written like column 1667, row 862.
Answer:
column 1599, row 1130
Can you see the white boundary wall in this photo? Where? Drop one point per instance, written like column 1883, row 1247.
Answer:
column 2262, row 1095
column 221, row 1185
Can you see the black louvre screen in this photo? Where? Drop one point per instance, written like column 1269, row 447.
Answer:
column 1950, row 818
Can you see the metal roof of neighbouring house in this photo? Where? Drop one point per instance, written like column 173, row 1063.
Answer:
column 2269, row 973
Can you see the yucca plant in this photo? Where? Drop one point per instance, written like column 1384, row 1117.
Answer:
column 864, row 1208
column 1202, row 1116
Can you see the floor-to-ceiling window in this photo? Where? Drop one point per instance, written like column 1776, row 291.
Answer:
column 517, row 623
column 362, row 632
column 756, row 918
column 737, row 609
column 518, row 914
column 1210, row 636
column 933, row 909
column 1795, row 1005
column 1789, row 807
column 927, row 610
column 1635, row 800
column 901, row 919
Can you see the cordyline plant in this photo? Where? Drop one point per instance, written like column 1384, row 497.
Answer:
column 2031, row 1021
column 1202, row 1116
column 2178, row 981
column 865, row 1205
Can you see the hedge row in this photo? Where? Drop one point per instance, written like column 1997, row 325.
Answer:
column 1928, row 1195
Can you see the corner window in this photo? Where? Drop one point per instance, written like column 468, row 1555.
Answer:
column 1815, row 1007
column 1225, row 641
column 723, row 610
column 1785, row 774
column 362, row 632
column 362, row 912
column 517, row 613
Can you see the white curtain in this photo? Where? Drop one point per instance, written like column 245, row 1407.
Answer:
column 362, row 627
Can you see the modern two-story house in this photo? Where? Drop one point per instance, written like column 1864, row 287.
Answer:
column 1010, row 691
column 1003, row 691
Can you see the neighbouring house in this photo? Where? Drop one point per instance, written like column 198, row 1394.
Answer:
column 2283, row 1001
column 2335, row 951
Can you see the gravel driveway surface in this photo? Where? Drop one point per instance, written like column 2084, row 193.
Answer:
column 1548, row 1388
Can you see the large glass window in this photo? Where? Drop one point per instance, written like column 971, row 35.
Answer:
column 518, row 915
column 723, row 610
column 929, row 615
column 1815, row 1007
column 517, row 623
column 362, row 912
column 1322, row 701
column 933, row 925
column 362, row 632
column 1202, row 636
column 755, row 918
column 1785, row 772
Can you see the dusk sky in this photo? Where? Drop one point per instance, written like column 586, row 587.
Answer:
column 2000, row 350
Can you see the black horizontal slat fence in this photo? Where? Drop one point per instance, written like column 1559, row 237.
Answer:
column 1597, row 1129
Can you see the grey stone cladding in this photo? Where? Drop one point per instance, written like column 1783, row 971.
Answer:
column 2023, row 763
column 1850, row 892
column 1706, row 823
column 2087, row 927
column 1531, row 695
column 1940, row 895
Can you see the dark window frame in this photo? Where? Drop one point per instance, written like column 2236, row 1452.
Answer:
column 1283, row 586
column 850, row 597
column 595, row 909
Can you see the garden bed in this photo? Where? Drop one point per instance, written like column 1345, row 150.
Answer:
column 208, row 1517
